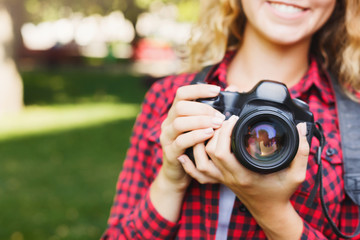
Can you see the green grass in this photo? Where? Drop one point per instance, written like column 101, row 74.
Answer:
column 61, row 157
column 35, row 120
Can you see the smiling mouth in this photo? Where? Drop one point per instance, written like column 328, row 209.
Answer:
column 286, row 8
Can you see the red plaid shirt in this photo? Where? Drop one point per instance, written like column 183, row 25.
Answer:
column 134, row 217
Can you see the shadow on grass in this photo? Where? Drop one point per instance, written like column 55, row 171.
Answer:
column 61, row 185
column 85, row 84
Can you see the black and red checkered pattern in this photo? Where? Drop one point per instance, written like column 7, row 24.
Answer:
column 134, row 217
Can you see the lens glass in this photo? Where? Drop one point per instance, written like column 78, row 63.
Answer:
column 264, row 140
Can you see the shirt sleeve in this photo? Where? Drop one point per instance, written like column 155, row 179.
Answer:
column 132, row 215
column 348, row 223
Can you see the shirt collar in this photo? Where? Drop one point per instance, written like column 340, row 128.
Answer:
column 314, row 78
column 219, row 74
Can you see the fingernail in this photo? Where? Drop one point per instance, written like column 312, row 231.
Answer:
column 214, row 89
column 217, row 121
column 209, row 131
column 181, row 159
column 233, row 118
column 302, row 129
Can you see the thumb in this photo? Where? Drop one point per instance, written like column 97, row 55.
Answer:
column 299, row 164
column 304, row 147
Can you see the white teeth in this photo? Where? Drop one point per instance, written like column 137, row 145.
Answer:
column 286, row 8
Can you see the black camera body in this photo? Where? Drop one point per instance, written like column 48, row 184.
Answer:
column 265, row 138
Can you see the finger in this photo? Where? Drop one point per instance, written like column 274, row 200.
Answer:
column 190, row 169
column 203, row 163
column 211, row 150
column 219, row 150
column 186, row 124
column 188, row 108
column 299, row 165
column 201, row 158
column 193, row 92
column 211, row 144
column 189, row 139
column 223, row 147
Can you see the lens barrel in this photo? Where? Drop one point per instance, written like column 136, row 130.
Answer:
column 265, row 141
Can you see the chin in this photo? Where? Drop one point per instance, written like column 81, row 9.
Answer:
column 288, row 39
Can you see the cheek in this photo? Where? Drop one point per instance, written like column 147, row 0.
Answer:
column 326, row 8
column 250, row 7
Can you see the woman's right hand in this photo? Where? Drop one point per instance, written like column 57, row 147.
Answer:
column 187, row 124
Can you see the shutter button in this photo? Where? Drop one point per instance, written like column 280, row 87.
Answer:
column 330, row 152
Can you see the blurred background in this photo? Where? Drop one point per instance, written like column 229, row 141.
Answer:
column 73, row 74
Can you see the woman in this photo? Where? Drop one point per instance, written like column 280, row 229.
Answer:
column 162, row 194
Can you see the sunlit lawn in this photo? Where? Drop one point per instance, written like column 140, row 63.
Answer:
column 61, row 157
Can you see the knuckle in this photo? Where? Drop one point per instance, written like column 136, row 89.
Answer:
column 244, row 182
column 163, row 125
column 219, row 154
column 179, row 143
column 180, row 92
column 299, row 178
column 202, row 181
column 163, row 139
column 178, row 107
column 177, row 125
column 209, row 149
column 202, row 168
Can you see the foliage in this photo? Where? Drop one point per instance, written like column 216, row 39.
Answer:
column 188, row 10
column 40, row 10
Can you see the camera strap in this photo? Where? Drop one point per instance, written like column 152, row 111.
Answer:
column 201, row 76
column 348, row 116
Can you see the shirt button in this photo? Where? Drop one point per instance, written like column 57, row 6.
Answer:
column 330, row 152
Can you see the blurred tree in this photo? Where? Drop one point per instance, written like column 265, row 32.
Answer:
column 11, row 88
column 13, row 13
column 188, row 9
column 40, row 10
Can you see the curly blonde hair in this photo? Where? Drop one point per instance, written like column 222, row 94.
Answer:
column 336, row 45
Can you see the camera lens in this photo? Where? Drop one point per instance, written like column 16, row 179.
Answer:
column 264, row 140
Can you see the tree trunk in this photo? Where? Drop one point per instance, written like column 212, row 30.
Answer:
column 11, row 87
column 132, row 11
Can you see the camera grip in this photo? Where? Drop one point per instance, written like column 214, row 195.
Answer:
column 190, row 153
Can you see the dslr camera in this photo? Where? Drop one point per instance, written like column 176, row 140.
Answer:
column 265, row 138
